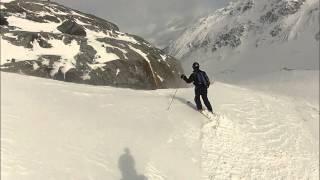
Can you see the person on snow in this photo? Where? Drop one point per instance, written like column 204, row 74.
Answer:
column 202, row 83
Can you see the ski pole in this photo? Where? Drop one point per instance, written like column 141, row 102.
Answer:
column 174, row 95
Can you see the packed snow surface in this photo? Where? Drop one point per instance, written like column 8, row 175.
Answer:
column 56, row 130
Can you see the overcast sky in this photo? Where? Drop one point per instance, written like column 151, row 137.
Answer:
column 147, row 18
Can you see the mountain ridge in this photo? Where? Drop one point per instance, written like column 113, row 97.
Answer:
column 66, row 44
column 240, row 37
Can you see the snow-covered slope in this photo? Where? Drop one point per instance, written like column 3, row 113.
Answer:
column 301, row 85
column 249, row 38
column 46, row 39
column 56, row 130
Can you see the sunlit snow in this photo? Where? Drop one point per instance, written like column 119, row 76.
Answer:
column 70, row 131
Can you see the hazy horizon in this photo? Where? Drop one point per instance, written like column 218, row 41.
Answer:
column 149, row 19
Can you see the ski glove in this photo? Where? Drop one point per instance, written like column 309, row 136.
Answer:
column 183, row 76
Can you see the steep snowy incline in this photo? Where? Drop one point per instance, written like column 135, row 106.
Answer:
column 249, row 38
column 52, row 129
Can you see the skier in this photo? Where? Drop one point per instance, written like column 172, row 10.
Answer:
column 202, row 83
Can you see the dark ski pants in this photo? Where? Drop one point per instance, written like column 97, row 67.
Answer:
column 203, row 92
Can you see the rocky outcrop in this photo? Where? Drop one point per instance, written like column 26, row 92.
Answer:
column 65, row 44
column 3, row 20
column 281, row 9
column 72, row 28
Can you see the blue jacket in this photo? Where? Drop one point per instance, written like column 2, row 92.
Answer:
column 199, row 79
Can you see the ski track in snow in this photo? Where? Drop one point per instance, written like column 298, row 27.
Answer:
column 258, row 136
column 265, row 143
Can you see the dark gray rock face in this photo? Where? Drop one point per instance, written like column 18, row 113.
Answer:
column 67, row 45
column 232, row 39
column 72, row 28
column 275, row 31
column 281, row 9
column 3, row 20
column 243, row 7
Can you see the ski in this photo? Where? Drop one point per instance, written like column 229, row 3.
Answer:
column 210, row 116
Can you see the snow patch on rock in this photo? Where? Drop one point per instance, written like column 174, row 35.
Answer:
column 32, row 26
column 102, row 55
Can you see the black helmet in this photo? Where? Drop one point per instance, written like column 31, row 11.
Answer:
column 195, row 65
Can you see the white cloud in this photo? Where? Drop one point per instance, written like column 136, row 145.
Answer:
column 145, row 18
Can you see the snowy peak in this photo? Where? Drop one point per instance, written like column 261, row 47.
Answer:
column 50, row 13
column 57, row 42
column 251, row 25
column 228, row 26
